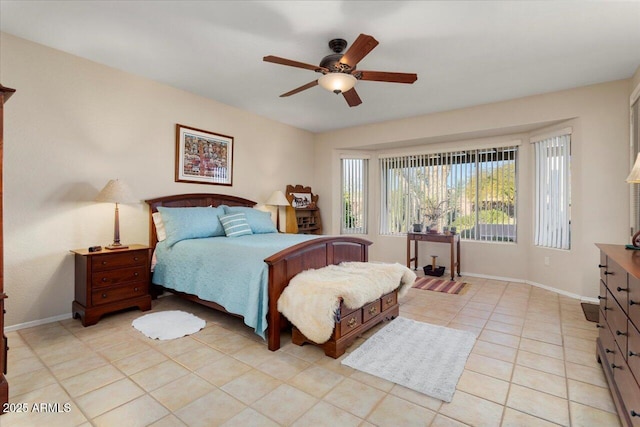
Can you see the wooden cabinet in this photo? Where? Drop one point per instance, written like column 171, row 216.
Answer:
column 618, row 343
column 303, row 216
column 5, row 93
column 109, row 281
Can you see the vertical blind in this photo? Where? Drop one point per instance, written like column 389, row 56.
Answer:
column 552, row 195
column 472, row 190
column 354, row 173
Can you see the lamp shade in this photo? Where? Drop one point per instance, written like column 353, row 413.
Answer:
column 116, row 191
column 277, row 198
column 337, row 82
column 634, row 176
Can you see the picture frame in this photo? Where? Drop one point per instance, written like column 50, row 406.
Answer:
column 301, row 200
column 203, row 157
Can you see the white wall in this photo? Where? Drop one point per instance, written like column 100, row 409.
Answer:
column 73, row 125
column 599, row 115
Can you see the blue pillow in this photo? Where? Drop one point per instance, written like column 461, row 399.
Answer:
column 259, row 221
column 191, row 223
column 235, row 224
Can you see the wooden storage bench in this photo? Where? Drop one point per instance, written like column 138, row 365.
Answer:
column 351, row 323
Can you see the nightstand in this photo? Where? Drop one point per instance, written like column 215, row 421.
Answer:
column 110, row 280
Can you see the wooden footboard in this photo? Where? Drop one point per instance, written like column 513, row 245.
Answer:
column 283, row 265
column 315, row 253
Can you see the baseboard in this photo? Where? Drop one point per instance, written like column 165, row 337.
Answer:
column 537, row 285
column 37, row 322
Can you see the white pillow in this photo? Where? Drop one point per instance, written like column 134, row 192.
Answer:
column 161, row 233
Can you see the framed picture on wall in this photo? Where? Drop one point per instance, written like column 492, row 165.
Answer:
column 203, row 157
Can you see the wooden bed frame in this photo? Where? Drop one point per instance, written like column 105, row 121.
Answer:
column 283, row 265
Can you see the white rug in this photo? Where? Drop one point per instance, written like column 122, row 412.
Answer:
column 167, row 325
column 423, row 357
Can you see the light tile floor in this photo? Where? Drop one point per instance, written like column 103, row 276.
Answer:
column 533, row 365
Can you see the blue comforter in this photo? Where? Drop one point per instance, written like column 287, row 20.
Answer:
column 228, row 271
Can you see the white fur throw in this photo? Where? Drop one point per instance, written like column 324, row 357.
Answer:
column 313, row 296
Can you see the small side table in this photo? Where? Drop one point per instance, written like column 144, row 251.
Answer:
column 452, row 239
column 110, row 280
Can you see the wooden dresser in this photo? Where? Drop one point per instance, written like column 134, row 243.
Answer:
column 618, row 345
column 110, row 280
column 5, row 93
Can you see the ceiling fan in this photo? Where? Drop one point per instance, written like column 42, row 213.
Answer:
column 339, row 73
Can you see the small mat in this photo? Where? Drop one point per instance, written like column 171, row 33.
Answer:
column 168, row 325
column 591, row 311
column 423, row 357
column 440, row 285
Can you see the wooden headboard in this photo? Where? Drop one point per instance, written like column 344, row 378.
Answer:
column 190, row 201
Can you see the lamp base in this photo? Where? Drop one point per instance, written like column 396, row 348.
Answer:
column 114, row 247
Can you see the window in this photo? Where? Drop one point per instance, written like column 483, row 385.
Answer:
column 354, row 173
column 552, row 193
column 472, row 190
column 635, row 149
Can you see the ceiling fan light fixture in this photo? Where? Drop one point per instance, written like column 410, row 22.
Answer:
column 337, row 82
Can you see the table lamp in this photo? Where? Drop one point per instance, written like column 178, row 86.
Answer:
column 277, row 199
column 116, row 192
column 634, row 178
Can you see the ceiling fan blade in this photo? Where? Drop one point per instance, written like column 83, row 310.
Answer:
column 291, row 63
column 352, row 97
column 300, row 89
column 383, row 76
column 358, row 50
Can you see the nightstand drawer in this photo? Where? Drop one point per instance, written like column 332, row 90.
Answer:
column 118, row 260
column 117, row 293
column 118, row 276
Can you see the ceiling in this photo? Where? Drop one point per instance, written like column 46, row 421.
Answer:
column 465, row 53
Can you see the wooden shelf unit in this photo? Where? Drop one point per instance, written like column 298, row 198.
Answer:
column 305, row 220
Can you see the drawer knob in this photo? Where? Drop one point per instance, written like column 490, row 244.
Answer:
column 621, row 333
column 619, row 289
column 609, row 351
column 352, row 322
column 136, row 274
column 135, row 258
column 608, row 272
column 373, row 310
column 104, row 279
column 104, row 262
column 606, row 308
column 614, row 366
column 601, row 297
column 632, row 302
column 598, row 325
column 136, row 289
column 104, row 295
column 634, row 413
column 602, row 266
column 633, row 353
column 389, row 301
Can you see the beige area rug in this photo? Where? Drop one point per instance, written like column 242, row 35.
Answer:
column 420, row 356
column 439, row 285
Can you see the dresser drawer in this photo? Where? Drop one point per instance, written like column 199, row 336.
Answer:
column 389, row 300
column 118, row 260
column 350, row 322
column 617, row 321
column 634, row 301
column 117, row 293
column 118, row 276
column 370, row 311
column 603, row 298
column 633, row 351
column 629, row 390
column 617, row 283
column 608, row 343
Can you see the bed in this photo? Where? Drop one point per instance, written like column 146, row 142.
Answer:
column 281, row 266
